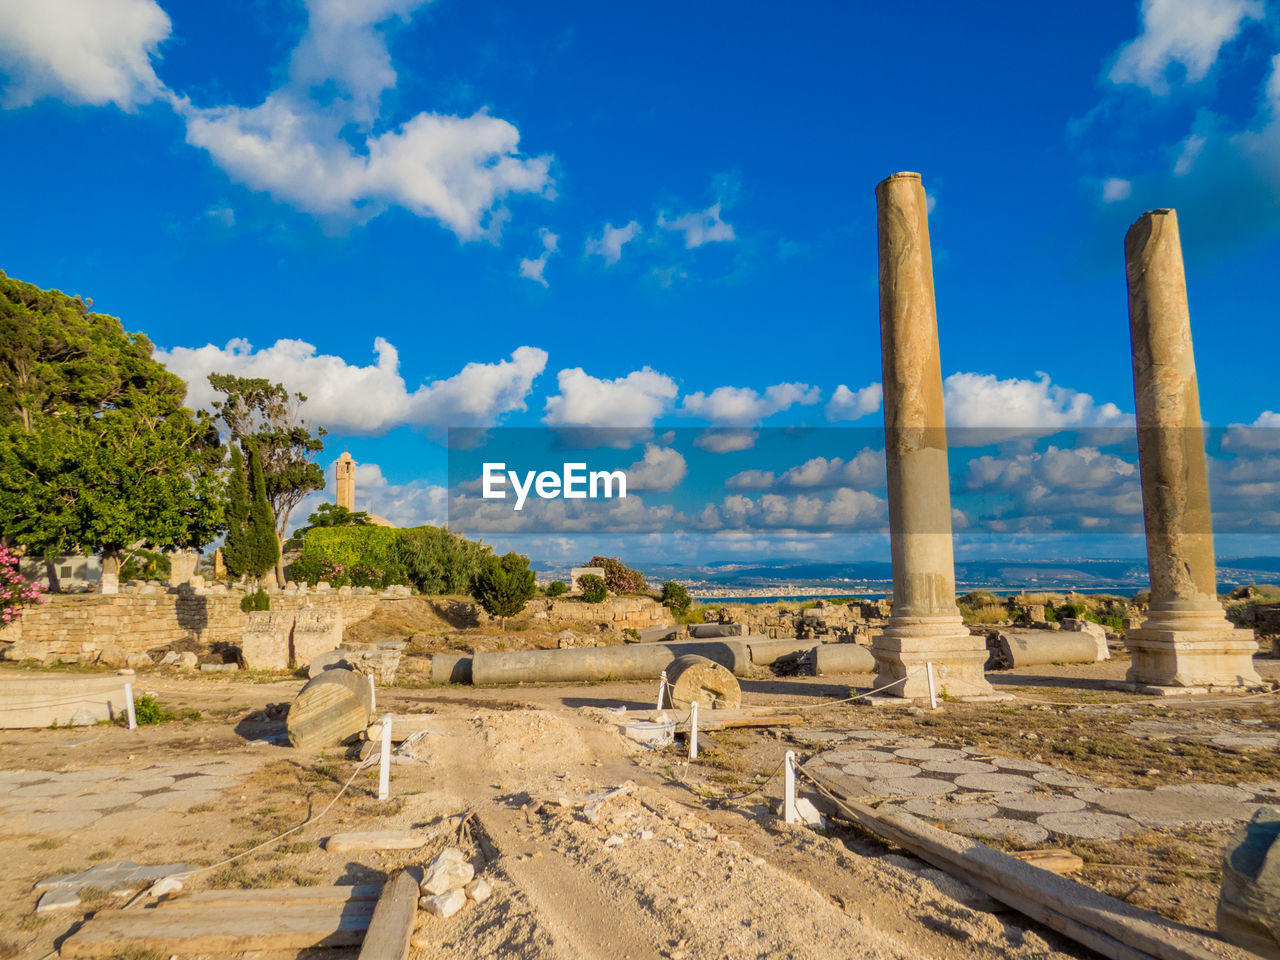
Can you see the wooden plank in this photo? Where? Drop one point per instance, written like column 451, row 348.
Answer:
column 1055, row 860
column 1109, row 926
column 220, row 929
column 392, row 925
column 377, row 840
column 276, row 896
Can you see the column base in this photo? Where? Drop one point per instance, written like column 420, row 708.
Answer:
column 1198, row 650
column 908, row 643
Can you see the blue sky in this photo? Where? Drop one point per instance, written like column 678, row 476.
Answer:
column 429, row 215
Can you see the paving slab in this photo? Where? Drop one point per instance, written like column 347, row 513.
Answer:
column 22, row 777
column 1269, row 790
column 53, row 788
column 957, row 767
column 929, row 753
column 145, row 784
column 1087, row 825
column 1019, row 765
column 1038, row 803
column 1174, row 806
column 204, row 783
column 950, row 809
column 996, row 782
column 913, row 787
column 1059, row 778
column 102, row 801
column 1002, row 828
column 841, row 757
column 881, row 771
column 57, row 821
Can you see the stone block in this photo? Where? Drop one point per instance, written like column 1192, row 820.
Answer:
column 265, row 643
column 316, row 630
column 28, row 650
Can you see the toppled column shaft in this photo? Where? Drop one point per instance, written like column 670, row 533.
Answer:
column 1186, row 641
column 925, row 625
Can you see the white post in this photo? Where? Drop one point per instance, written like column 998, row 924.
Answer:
column 128, row 706
column 789, row 814
column 662, row 689
column 384, row 762
column 693, row 730
column 933, row 690
column 373, row 696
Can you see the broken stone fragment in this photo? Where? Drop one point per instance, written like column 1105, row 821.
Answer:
column 446, row 875
column 478, row 890
column 444, row 905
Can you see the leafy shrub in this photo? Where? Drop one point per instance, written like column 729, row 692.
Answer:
column 16, row 591
column 430, row 558
column 675, row 597
column 618, row 577
column 557, row 588
column 145, row 565
column 593, row 588
column 255, row 601
column 504, row 585
column 148, row 711
column 1072, row 610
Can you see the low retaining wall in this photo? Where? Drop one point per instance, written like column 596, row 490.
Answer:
column 621, row 613
column 76, row 627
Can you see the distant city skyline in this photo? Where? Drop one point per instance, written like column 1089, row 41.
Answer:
column 427, row 216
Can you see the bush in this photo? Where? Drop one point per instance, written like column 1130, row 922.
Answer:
column 593, row 588
column 147, row 711
column 255, row 601
column 504, row 585
column 618, row 577
column 1075, row 611
column 430, row 558
column 557, row 588
column 675, row 597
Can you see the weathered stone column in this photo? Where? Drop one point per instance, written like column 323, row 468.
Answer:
column 1186, row 640
column 925, row 625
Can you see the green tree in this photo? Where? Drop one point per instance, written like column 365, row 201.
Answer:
column 236, row 547
column 97, row 452
column 675, row 597
column 263, row 542
column 593, row 588
column 557, row 588
column 332, row 515
column 504, row 585
column 267, row 416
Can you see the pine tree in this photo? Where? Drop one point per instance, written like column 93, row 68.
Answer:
column 503, row 585
column 264, row 548
column 235, row 551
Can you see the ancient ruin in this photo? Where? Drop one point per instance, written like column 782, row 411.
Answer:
column 926, row 626
column 1186, row 641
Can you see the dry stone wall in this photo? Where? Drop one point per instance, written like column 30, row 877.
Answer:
column 620, row 613
column 77, row 627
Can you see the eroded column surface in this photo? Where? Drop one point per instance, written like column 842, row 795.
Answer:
column 1186, row 640
column 925, row 625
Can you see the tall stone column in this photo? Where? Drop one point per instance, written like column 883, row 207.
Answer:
column 1186, row 640
column 925, row 625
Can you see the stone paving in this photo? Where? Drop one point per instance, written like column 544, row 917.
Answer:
column 110, row 800
column 979, row 794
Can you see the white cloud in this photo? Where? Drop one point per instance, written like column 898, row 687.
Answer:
column 633, row 401
column 92, row 52
column 1262, row 434
column 364, row 399
column 610, row 242
column 743, row 405
column 699, row 227
column 1114, row 189
column 844, row 509
column 1186, row 32
column 1187, row 154
column 661, row 468
column 532, row 269
column 224, row 215
column 846, row 404
column 732, row 440
column 984, row 400
column 403, row 504
column 865, row 471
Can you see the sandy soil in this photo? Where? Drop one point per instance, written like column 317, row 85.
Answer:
column 665, row 871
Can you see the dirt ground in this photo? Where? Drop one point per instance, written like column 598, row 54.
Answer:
column 671, row 869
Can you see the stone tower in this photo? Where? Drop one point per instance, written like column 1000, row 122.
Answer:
column 345, row 474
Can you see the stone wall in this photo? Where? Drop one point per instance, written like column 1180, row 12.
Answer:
column 620, row 613
column 77, row 626
column 824, row 621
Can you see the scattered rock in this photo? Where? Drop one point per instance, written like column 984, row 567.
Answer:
column 444, row 905
column 478, row 890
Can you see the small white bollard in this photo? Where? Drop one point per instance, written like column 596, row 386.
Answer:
column 933, row 690
column 662, row 689
column 128, row 706
column 693, row 730
column 373, row 696
column 384, row 761
column 789, row 814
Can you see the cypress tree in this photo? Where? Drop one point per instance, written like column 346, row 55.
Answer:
column 235, row 550
column 263, row 545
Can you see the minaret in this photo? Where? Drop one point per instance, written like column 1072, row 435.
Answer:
column 345, row 473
